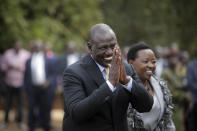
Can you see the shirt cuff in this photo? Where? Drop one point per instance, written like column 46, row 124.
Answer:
column 111, row 87
column 128, row 86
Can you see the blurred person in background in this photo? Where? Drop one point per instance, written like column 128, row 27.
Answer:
column 159, row 118
column 13, row 67
column 182, row 67
column 191, row 77
column 3, row 90
column 69, row 57
column 170, row 74
column 187, row 99
column 38, row 80
column 53, row 63
column 160, row 53
column 176, row 86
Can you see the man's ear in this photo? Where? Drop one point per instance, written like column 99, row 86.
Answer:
column 89, row 45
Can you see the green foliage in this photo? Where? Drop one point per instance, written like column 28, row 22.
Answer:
column 57, row 21
column 138, row 20
column 186, row 24
column 154, row 22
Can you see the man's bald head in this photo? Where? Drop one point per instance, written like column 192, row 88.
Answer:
column 101, row 32
column 102, row 41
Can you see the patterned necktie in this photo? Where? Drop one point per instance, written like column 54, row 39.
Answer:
column 106, row 74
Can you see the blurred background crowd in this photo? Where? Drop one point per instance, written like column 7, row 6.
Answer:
column 23, row 103
column 53, row 34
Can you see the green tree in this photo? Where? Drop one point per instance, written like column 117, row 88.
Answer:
column 139, row 20
column 154, row 22
column 57, row 21
column 186, row 24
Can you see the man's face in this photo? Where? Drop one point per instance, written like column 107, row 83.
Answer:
column 102, row 50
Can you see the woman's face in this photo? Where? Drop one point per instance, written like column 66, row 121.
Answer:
column 144, row 64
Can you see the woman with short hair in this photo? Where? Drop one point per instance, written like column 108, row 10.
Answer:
column 159, row 118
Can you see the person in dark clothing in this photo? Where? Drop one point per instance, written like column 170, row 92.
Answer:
column 37, row 81
column 191, row 77
column 13, row 66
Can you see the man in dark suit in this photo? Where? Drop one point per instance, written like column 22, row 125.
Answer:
column 38, row 79
column 94, row 102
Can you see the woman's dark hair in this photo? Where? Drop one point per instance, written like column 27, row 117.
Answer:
column 132, row 53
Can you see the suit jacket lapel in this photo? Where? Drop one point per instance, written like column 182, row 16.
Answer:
column 93, row 70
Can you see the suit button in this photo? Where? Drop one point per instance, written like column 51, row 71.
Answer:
column 107, row 98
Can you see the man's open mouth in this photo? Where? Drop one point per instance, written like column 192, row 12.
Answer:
column 108, row 58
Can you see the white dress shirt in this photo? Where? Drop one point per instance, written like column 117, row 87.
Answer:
column 38, row 69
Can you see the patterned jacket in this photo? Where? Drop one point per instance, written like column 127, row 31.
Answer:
column 165, row 123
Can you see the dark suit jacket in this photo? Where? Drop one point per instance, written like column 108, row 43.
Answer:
column 91, row 106
column 49, row 70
